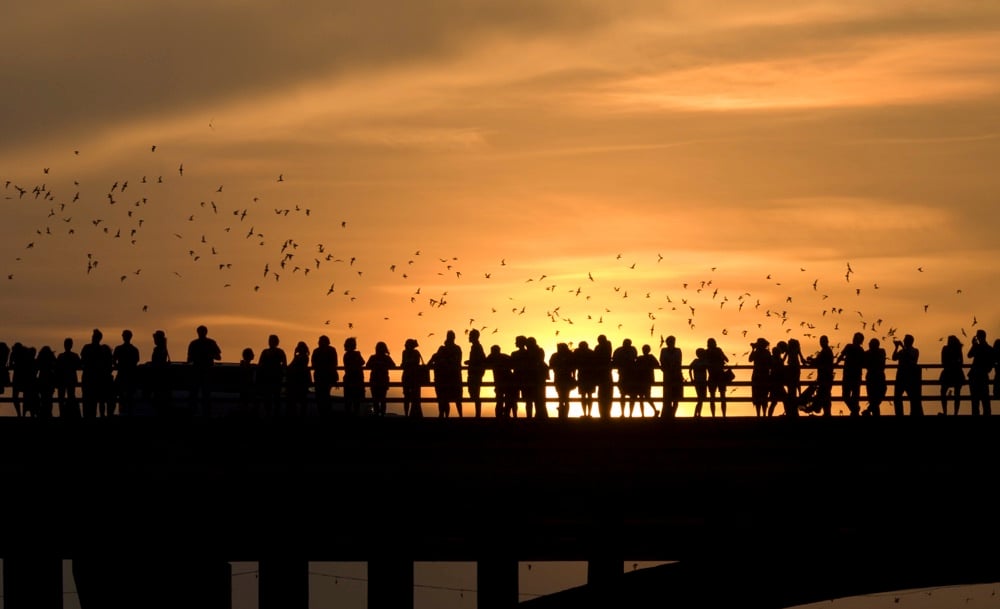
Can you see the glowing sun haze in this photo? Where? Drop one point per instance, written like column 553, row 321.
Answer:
column 559, row 169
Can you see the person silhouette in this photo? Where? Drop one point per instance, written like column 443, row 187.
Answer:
column 411, row 362
column 45, row 363
column 875, row 381
column 4, row 367
column 760, row 376
column 794, row 360
column 672, row 366
column 354, row 377
column 698, row 373
column 539, row 372
column 447, row 365
column 853, row 358
column 28, row 381
column 603, row 367
column 520, row 360
column 326, row 374
column 563, row 377
column 715, row 361
column 645, row 375
column 476, row 369
column 586, row 366
column 983, row 361
column 623, row 361
column 908, row 378
column 271, row 368
column 97, row 380
column 125, row 359
column 952, row 376
column 824, row 362
column 297, row 381
column 20, row 369
column 68, row 366
column 501, row 368
column 379, row 364
column 161, row 387
column 202, row 354
column 248, row 383
column 778, row 378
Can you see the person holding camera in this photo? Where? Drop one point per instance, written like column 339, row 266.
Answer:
column 983, row 359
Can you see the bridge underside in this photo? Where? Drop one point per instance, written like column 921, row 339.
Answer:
column 786, row 511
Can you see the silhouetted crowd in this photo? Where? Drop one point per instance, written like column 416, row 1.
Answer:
column 101, row 381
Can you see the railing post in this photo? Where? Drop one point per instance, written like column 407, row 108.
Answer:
column 390, row 583
column 497, row 583
column 32, row 583
column 283, row 583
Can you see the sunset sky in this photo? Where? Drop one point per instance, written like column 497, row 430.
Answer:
column 560, row 169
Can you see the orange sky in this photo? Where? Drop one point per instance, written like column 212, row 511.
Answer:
column 521, row 148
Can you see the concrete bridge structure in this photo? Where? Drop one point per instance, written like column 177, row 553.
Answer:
column 763, row 512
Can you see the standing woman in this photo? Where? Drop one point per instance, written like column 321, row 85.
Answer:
column 298, row 380
column 159, row 365
column 716, row 360
column 354, row 377
column 411, row 362
column 952, row 372
column 379, row 365
column 794, row 360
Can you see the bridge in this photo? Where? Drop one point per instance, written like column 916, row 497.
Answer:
column 785, row 511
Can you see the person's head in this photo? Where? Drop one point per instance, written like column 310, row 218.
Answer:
column 908, row 340
column 96, row 336
column 602, row 339
column 981, row 335
column 324, row 341
column 711, row 343
column 874, row 344
column 248, row 355
column 381, row 348
column 495, row 350
column 793, row 345
column 273, row 341
column 449, row 337
column 627, row 342
column 699, row 352
column 202, row 331
column 859, row 338
column 562, row 348
column 520, row 341
column 646, row 349
column 159, row 338
column 671, row 340
column 824, row 341
column 583, row 346
column 127, row 336
column 473, row 335
column 301, row 348
column 761, row 343
column 350, row 343
column 68, row 344
column 411, row 343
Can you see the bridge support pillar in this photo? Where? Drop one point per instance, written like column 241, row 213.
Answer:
column 283, row 583
column 32, row 583
column 390, row 584
column 497, row 583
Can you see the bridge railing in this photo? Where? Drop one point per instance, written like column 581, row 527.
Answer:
column 226, row 380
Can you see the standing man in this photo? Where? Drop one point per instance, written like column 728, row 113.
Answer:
column 476, row 370
column 125, row 358
column 908, row 378
column 853, row 358
column 96, row 382
column 672, row 365
column 983, row 360
column 325, row 374
column 602, row 368
column 202, row 354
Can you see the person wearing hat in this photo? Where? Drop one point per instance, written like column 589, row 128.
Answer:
column 760, row 378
